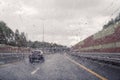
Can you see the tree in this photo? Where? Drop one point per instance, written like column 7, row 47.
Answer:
column 117, row 18
column 6, row 34
column 2, row 34
column 17, row 38
column 20, row 39
column 23, row 40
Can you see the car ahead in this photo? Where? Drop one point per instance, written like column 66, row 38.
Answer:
column 36, row 56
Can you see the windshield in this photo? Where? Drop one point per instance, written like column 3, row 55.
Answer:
column 59, row 39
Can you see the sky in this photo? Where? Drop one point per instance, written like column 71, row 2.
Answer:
column 65, row 22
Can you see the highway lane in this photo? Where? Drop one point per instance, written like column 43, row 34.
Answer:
column 59, row 67
column 111, row 72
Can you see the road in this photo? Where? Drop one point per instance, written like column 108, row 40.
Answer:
column 59, row 67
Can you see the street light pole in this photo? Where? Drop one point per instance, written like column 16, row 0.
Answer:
column 43, row 38
column 43, row 34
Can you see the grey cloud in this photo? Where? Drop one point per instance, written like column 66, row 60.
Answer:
column 66, row 21
column 77, row 4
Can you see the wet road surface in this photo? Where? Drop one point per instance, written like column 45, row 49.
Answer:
column 59, row 67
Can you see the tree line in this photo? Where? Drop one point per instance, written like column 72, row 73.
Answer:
column 18, row 39
column 112, row 22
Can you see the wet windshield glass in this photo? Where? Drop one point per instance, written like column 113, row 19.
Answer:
column 59, row 39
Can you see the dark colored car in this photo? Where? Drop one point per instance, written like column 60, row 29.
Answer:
column 36, row 56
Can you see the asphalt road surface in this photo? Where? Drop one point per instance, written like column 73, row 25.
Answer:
column 59, row 67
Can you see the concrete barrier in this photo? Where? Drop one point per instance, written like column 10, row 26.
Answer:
column 10, row 54
column 10, row 57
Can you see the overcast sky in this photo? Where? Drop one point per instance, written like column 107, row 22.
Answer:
column 66, row 21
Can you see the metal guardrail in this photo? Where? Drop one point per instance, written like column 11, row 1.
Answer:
column 113, row 59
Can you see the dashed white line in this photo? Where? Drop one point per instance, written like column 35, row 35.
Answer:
column 33, row 72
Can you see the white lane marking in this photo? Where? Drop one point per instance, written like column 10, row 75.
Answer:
column 33, row 72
